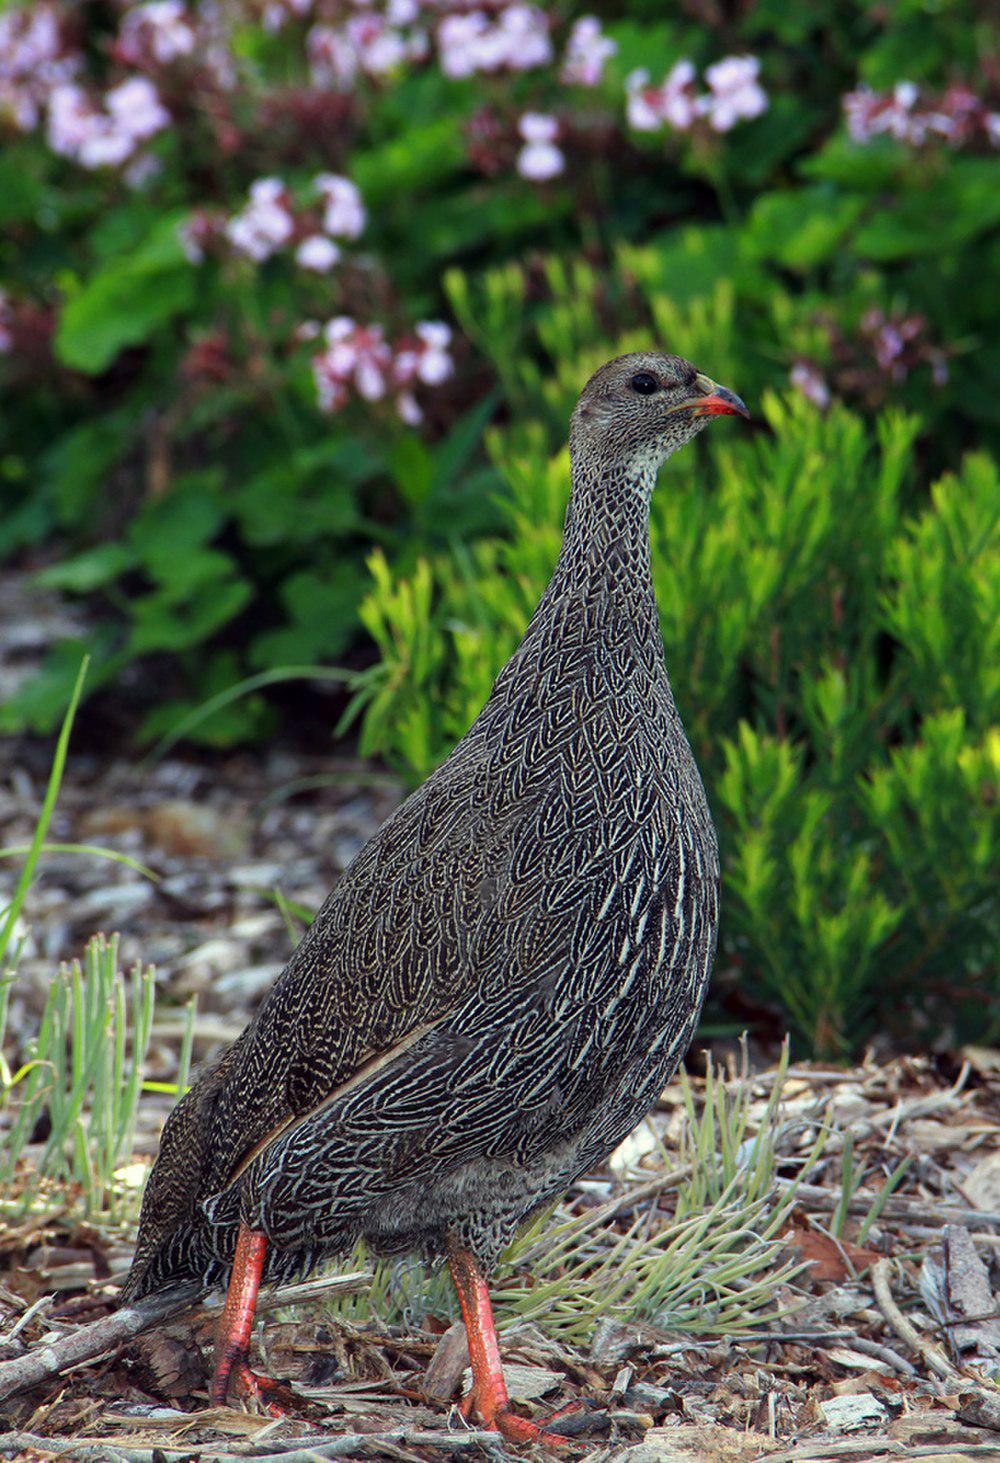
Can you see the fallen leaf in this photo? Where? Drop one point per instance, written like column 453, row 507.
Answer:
column 829, row 1259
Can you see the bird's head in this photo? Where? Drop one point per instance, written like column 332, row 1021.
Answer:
column 640, row 408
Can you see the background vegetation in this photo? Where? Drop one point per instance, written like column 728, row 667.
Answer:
column 285, row 281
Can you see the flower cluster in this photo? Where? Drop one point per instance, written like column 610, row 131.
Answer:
column 358, row 358
column 956, row 118
column 155, row 34
column 871, row 361
column 898, row 343
column 734, row 95
column 101, row 137
column 270, row 222
column 372, row 43
column 518, row 40
column 33, row 60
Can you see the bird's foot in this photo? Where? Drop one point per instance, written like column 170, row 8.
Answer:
column 275, row 1398
column 493, row 1411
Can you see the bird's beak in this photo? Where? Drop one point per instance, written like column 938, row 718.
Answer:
column 713, row 400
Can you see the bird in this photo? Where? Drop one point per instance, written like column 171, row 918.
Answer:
column 506, row 975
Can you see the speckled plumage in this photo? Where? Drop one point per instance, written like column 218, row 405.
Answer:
column 504, row 978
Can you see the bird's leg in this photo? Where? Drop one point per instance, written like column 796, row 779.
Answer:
column 488, row 1400
column 232, row 1342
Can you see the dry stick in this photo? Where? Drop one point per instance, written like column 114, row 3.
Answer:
column 298, row 1450
column 853, row 1450
column 904, row 1329
column 109, row 1334
column 811, row 1196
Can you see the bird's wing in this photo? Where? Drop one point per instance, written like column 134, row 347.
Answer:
column 406, row 936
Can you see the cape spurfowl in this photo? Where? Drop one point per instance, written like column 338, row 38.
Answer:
column 507, row 974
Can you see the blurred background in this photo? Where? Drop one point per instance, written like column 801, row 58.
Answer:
column 295, row 299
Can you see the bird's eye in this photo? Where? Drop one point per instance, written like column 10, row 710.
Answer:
column 645, row 383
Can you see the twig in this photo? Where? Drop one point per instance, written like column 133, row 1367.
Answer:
column 323, row 1446
column 905, row 1329
column 855, row 1449
column 884, row 1354
column 830, row 1338
column 52, row 1357
column 811, row 1196
column 87, row 1343
column 317, row 1449
column 933, row 1232
column 920, row 1107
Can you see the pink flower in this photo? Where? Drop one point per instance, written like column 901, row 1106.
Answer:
column 677, row 103
column 343, row 209
column 540, row 159
column 318, row 253
column 408, row 408
column 159, row 31
column 427, row 359
column 435, row 364
column 33, row 59
column 459, row 39
column 519, row 40
column 355, row 354
column 861, row 110
column 524, row 36
column 587, row 50
column 78, row 129
column 136, row 109
column 265, row 224
column 806, row 379
column 957, row 117
column 378, row 47
column 333, row 61
column 402, row 12
column 277, row 12
column 358, row 358
column 642, row 102
column 71, row 119
column 673, row 101
column 735, row 93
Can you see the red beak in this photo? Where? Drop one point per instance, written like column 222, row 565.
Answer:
column 720, row 402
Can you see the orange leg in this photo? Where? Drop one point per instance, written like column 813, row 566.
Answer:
column 232, row 1344
column 488, row 1399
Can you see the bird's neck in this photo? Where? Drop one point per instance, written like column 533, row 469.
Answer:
column 605, row 561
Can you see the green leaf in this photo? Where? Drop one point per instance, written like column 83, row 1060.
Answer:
column 322, row 611
column 38, row 704
column 127, row 301
column 412, row 467
column 89, row 570
column 801, row 229
column 424, row 154
column 942, row 212
column 21, row 187
column 170, row 535
column 76, row 468
column 160, row 623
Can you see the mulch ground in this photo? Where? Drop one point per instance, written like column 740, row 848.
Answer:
column 890, row 1341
